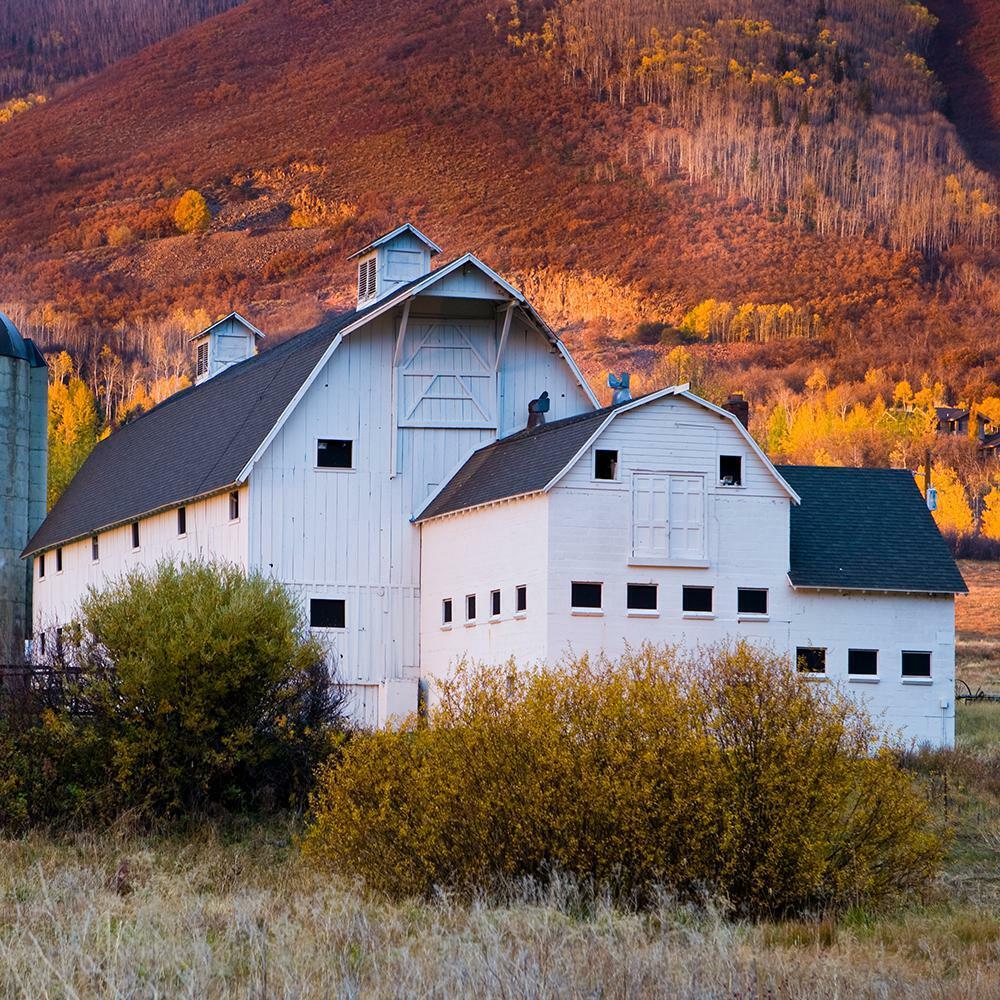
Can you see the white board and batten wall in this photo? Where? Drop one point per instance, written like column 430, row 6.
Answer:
column 723, row 537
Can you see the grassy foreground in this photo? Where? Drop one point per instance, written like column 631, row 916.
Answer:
column 231, row 910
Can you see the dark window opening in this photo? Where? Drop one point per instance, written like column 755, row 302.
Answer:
column 135, row 534
column 41, row 566
column 751, row 601
column 522, row 598
column 916, row 664
column 697, row 599
column 862, row 662
column 446, row 613
column 810, row 660
column 58, row 560
column 470, row 608
column 586, row 595
column 182, row 520
column 641, row 597
column 327, row 613
column 331, row 454
column 495, row 603
column 95, row 548
column 234, row 506
column 41, row 643
column 731, row 470
column 605, row 464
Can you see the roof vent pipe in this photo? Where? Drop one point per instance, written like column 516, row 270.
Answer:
column 619, row 383
column 739, row 407
column 537, row 409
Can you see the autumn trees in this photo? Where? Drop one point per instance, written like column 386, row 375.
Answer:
column 191, row 214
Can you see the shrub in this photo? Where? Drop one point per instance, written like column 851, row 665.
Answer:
column 730, row 776
column 191, row 214
column 191, row 686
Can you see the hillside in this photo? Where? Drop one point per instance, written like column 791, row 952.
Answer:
column 311, row 126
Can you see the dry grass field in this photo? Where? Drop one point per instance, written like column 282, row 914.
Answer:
column 977, row 619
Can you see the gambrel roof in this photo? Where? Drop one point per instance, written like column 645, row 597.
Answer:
column 206, row 438
column 866, row 529
column 533, row 461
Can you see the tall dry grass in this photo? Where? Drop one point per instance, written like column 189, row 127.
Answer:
column 218, row 912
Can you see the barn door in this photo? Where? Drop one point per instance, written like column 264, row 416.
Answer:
column 650, row 509
column 447, row 377
column 687, row 517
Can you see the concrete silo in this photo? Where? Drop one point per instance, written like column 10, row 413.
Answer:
column 24, row 400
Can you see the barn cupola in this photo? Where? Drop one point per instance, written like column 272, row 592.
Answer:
column 229, row 341
column 391, row 261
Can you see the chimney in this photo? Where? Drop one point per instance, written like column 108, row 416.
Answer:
column 622, row 393
column 537, row 409
column 738, row 406
column 391, row 261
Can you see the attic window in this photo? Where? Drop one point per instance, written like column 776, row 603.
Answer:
column 201, row 364
column 334, row 454
column 366, row 279
column 326, row 613
column 605, row 464
column 810, row 660
column 731, row 470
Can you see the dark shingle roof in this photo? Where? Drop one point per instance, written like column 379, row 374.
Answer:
column 525, row 462
column 866, row 529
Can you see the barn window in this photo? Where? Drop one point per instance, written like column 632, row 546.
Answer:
column 366, row 279
column 810, row 660
column 334, row 453
column 641, row 597
column 327, row 613
column 862, row 662
column 95, row 548
column 696, row 600
column 446, row 612
column 470, row 608
column 495, row 603
column 521, row 600
column 605, row 464
column 182, row 520
column 916, row 664
column 586, row 596
column 234, row 506
column 135, row 534
column 41, row 566
column 731, row 470
column 751, row 601
column 201, row 364
column 41, row 643
column 59, row 560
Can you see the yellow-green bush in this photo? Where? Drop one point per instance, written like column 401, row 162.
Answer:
column 730, row 776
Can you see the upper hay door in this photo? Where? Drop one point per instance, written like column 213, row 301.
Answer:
column 448, row 374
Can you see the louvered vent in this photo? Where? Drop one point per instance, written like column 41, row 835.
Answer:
column 201, row 365
column 366, row 279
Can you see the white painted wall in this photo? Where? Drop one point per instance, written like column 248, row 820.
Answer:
column 210, row 535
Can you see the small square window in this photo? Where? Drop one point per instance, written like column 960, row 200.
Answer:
column 234, row 506
column 915, row 664
column 586, row 596
column 521, row 598
column 810, row 660
column 182, row 520
column 95, row 548
column 751, row 601
column 41, row 566
column 446, row 611
column 470, row 608
column 731, row 470
column 605, row 464
column 495, row 603
column 59, row 560
column 327, row 613
column 862, row 662
column 135, row 534
column 334, row 454
column 641, row 597
column 697, row 599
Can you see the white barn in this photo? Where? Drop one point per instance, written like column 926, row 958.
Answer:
column 381, row 466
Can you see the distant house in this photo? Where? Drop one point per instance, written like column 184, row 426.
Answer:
column 383, row 466
column 952, row 420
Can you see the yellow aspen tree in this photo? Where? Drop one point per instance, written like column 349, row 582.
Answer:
column 991, row 515
column 953, row 514
column 191, row 214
